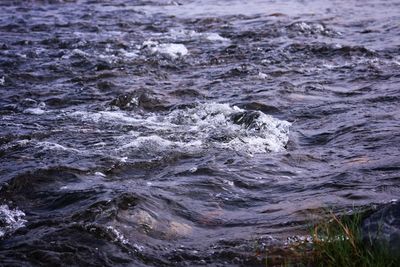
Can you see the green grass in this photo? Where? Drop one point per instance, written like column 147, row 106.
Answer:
column 336, row 242
column 339, row 243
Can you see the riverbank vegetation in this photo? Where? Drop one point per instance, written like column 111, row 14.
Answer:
column 337, row 241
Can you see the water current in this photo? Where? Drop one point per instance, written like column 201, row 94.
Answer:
column 185, row 133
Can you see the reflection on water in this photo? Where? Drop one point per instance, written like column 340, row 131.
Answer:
column 184, row 133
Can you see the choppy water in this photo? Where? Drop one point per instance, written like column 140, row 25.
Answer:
column 164, row 133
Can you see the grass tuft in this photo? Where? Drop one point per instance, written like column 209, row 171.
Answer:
column 339, row 242
column 334, row 242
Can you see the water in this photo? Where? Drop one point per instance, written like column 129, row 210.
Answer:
column 162, row 133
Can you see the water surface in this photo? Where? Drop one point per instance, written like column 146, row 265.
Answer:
column 159, row 133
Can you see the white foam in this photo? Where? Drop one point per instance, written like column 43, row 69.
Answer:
column 80, row 53
column 39, row 109
column 131, row 54
column 110, row 58
column 171, row 50
column 54, row 146
column 262, row 75
column 105, row 116
column 215, row 37
column 124, row 159
column 10, row 220
column 100, row 174
column 2, row 80
column 197, row 128
column 154, row 143
column 193, row 35
column 212, row 122
column 34, row 111
column 75, row 52
column 310, row 27
column 119, row 237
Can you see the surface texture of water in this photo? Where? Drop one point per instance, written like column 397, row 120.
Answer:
column 163, row 133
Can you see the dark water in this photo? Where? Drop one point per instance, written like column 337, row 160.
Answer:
column 160, row 133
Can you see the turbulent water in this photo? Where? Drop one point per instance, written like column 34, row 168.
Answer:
column 159, row 133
